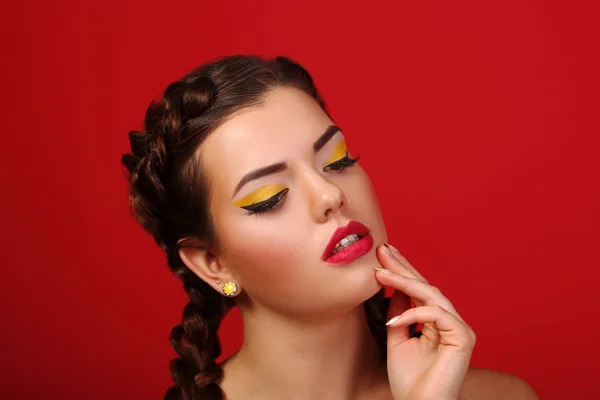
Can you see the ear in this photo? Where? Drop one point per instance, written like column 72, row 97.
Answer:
column 205, row 263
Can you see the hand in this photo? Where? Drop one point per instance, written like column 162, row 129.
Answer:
column 432, row 366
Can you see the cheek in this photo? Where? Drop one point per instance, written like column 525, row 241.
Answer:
column 263, row 248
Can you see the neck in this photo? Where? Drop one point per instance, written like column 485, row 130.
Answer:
column 281, row 358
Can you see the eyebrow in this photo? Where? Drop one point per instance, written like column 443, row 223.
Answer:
column 275, row 168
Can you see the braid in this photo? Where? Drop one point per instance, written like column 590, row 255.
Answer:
column 195, row 372
column 154, row 195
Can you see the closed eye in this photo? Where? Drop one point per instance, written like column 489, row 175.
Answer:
column 268, row 205
column 341, row 164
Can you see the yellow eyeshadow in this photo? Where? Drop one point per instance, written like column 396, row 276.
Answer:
column 259, row 195
column 339, row 152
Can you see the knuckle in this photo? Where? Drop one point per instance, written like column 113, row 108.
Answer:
column 473, row 336
column 438, row 309
column 436, row 290
column 434, row 294
column 468, row 339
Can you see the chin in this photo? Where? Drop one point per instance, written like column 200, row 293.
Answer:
column 363, row 284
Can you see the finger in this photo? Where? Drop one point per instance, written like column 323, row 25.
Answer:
column 399, row 333
column 452, row 330
column 399, row 303
column 418, row 290
column 389, row 261
column 408, row 266
column 402, row 260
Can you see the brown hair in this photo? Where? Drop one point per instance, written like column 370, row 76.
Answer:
column 169, row 198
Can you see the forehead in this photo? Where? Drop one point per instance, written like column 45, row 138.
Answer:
column 282, row 128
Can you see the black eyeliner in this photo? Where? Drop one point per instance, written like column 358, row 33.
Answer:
column 342, row 163
column 266, row 205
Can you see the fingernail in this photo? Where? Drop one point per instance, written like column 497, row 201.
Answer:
column 388, row 249
column 391, row 321
column 384, row 271
column 389, row 246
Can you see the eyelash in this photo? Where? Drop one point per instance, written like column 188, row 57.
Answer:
column 341, row 164
column 275, row 201
column 267, row 206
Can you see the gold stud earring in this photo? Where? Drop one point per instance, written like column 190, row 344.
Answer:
column 230, row 289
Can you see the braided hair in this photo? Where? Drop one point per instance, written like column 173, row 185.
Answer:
column 168, row 197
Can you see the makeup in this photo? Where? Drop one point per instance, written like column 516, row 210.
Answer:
column 261, row 194
column 339, row 151
column 348, row 243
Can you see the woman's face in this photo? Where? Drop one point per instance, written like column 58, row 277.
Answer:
column 273, row 230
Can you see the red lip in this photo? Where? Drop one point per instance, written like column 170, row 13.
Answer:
column 353, row 227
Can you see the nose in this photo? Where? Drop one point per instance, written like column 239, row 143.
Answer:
column 325, row 198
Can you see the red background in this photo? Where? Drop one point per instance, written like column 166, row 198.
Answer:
column 477, row 120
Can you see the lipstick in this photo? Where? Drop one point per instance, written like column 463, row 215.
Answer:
column 353, row 251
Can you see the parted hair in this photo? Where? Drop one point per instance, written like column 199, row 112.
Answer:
column 168, row 197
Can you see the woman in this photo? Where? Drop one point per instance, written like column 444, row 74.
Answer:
column 247, row 185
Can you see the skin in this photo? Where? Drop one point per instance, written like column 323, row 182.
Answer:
column 303, row 318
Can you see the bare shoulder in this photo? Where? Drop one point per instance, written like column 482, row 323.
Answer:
column 487, row 384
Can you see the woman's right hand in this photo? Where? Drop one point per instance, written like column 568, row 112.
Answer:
column 434, row 366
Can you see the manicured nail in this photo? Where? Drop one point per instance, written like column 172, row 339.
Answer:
column 391, row 247
column 384, row 271
column 391, row 321
column 388, row 249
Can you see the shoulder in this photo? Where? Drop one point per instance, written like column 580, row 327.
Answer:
column 486, row 384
